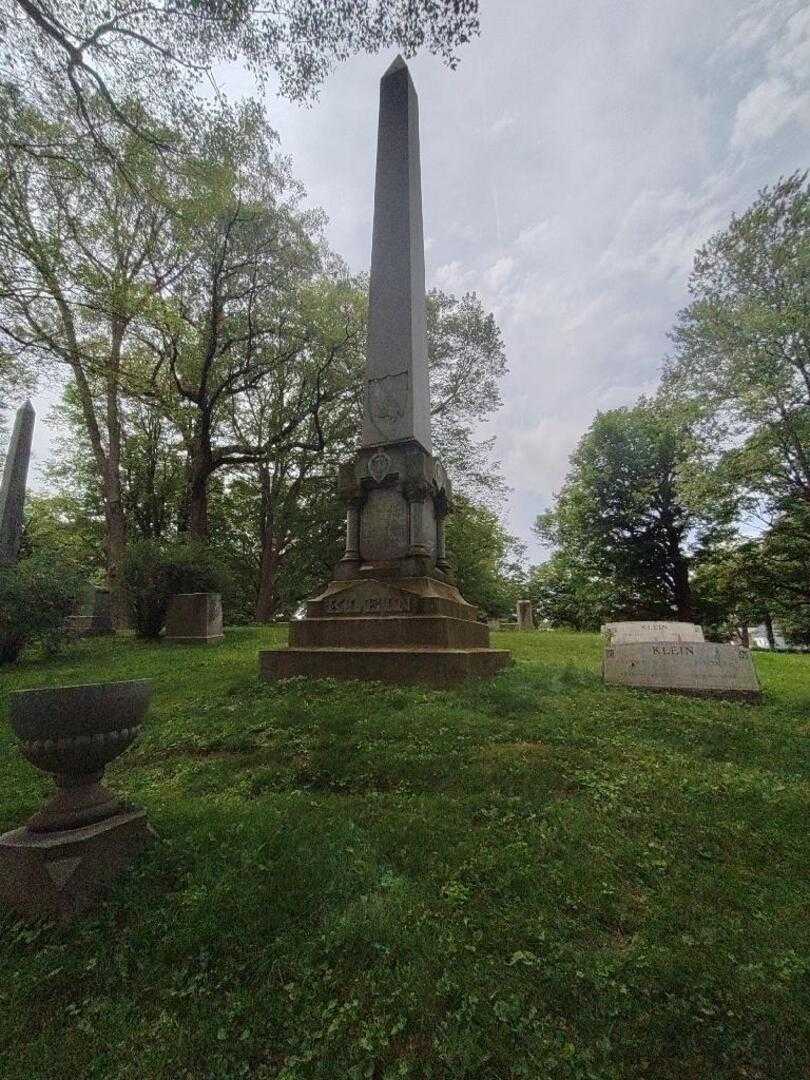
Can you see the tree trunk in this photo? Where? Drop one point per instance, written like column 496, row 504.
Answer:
column 266, row 601
column 199, row 470
column 769, row 630
column 745, row 638
column 683, row 590
column 115, row 519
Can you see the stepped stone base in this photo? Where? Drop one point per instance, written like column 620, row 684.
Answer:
column 436, row 667
column 408, row 630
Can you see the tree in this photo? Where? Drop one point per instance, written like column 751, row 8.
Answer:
column 621, row 513
column 742, row 346
column 81, row 253
column 243, row 312
column 488, row 561
column 466, row 361
column 566, row 592
column 80, row 50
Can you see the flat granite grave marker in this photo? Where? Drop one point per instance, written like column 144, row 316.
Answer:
column 698, row 668
column 622, row 633
column 393, row 611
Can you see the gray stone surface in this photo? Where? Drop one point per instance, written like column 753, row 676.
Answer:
column 525, row 619
column 12, row 491
column 700, row 668
column 194, row 617
column 73, row 732
column 393, row 611
column 58, row 875
column 396, row 393
column 69, row 853
column 622, row 633
column 93, row 615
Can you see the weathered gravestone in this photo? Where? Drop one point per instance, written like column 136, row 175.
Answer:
column 621, row 633
column 393, row 612
column 12, row 490
column 93, row 615
column 699, row 668
column 194, row 618
column 525, row 620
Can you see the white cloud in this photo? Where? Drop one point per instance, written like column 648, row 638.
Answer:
column 766, row 109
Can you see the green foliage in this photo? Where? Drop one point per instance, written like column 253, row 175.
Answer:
column 488, row 561
column 566, row 592
column 37, row 594
column 153, row 572
column 532, row 877
column 622, row 517
column 742, row 346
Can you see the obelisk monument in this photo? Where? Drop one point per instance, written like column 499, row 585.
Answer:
column 12, row 492
column 393, row 612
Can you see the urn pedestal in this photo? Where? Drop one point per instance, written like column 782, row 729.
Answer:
column 77, row 844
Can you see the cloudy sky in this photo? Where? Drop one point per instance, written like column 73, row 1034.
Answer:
column 571, row 165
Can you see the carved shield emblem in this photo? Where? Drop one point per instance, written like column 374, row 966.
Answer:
column 379, row 466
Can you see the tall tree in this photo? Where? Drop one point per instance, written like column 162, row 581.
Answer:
column 466, row 361
column 742, row 346
column 81, row 254
column 243, row 310
column 112, row 49
column 622, row 513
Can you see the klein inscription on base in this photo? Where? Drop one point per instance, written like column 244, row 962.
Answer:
column 622, row 633
column 702, row 668
column 367, row 605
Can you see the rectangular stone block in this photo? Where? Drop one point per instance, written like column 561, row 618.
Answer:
column 431, row 630
column 194, row 617
column 435, row 667
column 621, row 633
column 700, row 668
column 58, row 875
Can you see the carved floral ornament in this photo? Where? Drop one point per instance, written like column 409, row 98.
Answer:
column 379, row 466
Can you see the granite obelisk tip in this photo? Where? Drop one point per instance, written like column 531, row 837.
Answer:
column 397, row 405
column 12, row 491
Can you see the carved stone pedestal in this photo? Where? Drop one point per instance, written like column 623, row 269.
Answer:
column 56, row 875
column 393, row 612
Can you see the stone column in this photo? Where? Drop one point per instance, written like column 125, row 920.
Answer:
column 416, row 495
column 352, row 553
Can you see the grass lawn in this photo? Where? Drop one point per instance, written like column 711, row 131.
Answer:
column 532, row 877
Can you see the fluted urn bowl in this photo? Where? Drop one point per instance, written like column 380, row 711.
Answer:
column 74, row 732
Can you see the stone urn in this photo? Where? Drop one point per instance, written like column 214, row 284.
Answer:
column 74, row 732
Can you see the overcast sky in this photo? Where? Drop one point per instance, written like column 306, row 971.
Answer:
column 571, row 165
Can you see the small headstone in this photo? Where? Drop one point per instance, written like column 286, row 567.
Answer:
column 525, row 621
column 699, row 668
column 12, row 491
column 194, row 617
column 622, row 633
column 93, row 615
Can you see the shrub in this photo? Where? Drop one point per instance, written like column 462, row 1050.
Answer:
column 37, row 595
column 153, row 572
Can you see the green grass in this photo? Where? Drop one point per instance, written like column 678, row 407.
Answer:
column 533, row 877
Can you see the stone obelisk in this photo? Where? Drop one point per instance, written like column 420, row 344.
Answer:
column 12, row 492
column 393, row 612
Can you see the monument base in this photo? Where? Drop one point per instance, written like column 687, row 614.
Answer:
column 417, row 630
column 56, row 875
